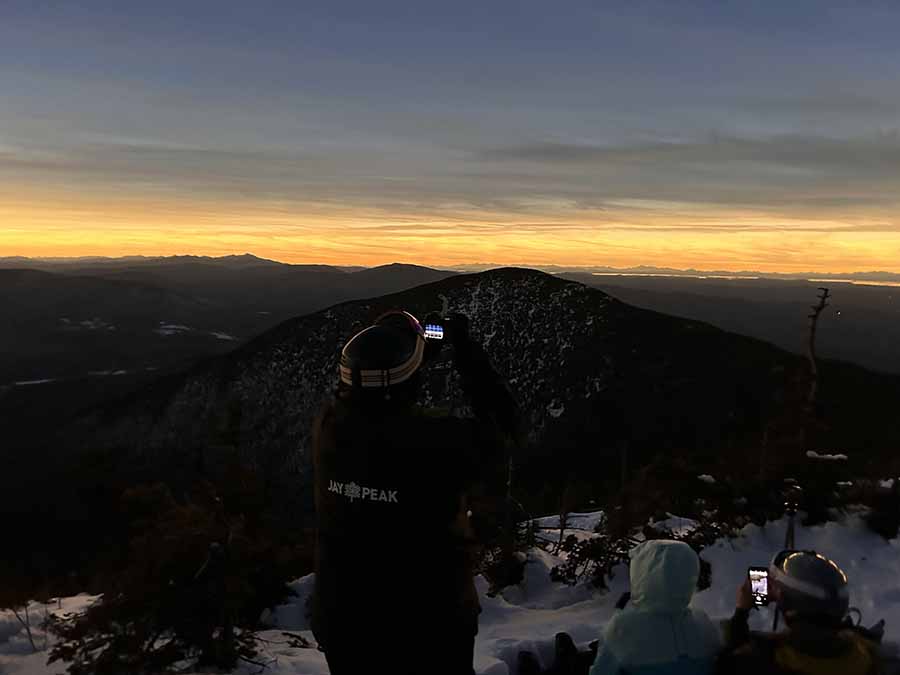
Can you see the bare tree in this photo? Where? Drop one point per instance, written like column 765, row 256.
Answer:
column 565, row 506
column 24, row 619
column 811, row 346
column 46, row 626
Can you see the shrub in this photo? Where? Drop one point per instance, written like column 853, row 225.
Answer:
column 193, row 587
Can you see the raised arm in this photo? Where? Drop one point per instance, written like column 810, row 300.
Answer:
column 490, row 397
column 739, row 627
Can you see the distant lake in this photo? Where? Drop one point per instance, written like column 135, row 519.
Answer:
column 855, row 282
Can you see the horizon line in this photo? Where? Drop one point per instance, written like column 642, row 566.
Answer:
column 641, row 269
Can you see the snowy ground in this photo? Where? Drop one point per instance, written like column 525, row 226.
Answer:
column 16, row 653
column 528, row 617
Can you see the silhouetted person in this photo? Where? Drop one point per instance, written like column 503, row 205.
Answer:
column 395, row 543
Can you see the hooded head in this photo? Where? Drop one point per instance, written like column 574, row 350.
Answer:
column 663, row 575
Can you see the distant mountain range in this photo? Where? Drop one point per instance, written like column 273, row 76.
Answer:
column 242, row 261
column 88, row 329
column 67, row 317
column 247, row 259
column 241, row 296
column 74, row 332
column 861, row 323
column 63, row 263
column 649, row 270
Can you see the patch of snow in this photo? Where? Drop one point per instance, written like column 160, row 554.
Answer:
column 539, row 591
column 887, row 484
column 556, row 409
column 812, row 454
column 844, row 483
column 16, row 654
column 588, row 520
column 86, row 324
column 677, row 525
column 28, row 383
column 582, row 526
column 706, row 478
column 171, row 328
column 222, row 336
column 292, row 615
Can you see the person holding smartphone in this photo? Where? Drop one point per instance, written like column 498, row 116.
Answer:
column 394, row 589
column 811, row 592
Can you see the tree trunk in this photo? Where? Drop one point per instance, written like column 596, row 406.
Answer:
column 26, row 624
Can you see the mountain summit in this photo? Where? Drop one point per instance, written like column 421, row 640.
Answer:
column 594, row 377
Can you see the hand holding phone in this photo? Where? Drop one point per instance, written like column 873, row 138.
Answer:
column 434, row 327
column 759, row 585
column 450, row 329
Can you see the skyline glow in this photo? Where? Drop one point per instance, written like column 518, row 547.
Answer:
column 709, row 134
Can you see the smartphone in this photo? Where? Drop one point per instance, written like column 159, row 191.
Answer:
column 759, row 585
column 434, row 331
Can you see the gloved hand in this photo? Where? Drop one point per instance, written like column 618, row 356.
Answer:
column 468, row 355
column 745, row 596
column 456, row 329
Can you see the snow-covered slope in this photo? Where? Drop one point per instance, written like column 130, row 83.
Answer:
column 588, row 371
column 591, row 374
column 528, row 616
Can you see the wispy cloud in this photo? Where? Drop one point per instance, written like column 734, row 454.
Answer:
column 876, row 154
column 743, row 131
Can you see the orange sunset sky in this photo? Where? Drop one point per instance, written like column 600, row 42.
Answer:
column 712, row 135
column 52, row 225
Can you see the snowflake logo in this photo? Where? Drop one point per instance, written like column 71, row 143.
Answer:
column 352, row 491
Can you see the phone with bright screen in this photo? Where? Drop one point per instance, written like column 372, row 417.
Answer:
column 434, row 331
column 759, row 585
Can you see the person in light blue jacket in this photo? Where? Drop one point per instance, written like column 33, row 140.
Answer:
column 658, row 633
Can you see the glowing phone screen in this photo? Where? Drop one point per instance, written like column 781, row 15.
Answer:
column 434, row 332
column 759, row 585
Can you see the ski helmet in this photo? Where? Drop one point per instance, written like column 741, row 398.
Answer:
column 387, row 353
column 811, row 586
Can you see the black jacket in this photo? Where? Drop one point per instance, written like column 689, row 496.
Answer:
column 395, row 545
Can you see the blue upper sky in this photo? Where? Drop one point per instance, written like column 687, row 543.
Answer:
column 535, row 110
